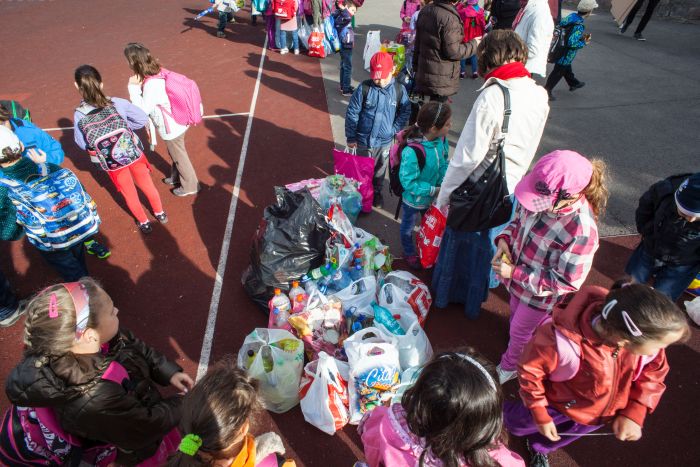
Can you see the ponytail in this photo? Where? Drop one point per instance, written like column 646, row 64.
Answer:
column 596, row 192
column 89, row 83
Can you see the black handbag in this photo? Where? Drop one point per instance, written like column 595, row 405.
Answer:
column 483, row 201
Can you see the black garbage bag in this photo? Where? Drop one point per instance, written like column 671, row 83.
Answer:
column 290, row 240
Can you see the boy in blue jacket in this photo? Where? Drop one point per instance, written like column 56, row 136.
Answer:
column 33, row 137
column 342, row 18
column 378, row 109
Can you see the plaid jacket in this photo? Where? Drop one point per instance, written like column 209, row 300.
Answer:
column 552, row 253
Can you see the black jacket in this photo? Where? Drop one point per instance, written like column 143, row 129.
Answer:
column 665, row 234
column 133, row 416
column 439, row 48
column 505, row 12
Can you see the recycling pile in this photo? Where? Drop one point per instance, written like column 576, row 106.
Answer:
column 332, row 300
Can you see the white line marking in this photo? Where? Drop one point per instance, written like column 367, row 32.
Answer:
column 241, row 114
column 226, row 243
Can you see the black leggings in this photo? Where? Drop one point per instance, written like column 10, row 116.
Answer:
column 647, row 14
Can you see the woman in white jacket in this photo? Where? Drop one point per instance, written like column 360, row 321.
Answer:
column 462, row 271
column 151, row 97
column 535, row 26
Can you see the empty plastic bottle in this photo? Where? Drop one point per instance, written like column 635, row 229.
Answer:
column 295, row 291
column 385, row 318
column 280, row 301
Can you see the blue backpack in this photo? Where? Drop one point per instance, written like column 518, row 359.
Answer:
column 54, row 209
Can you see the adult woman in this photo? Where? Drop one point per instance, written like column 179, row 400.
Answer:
column 462, row 271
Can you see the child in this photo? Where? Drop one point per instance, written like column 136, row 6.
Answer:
column 618, row 340
column 282, row 26
column 343, row 24
column 577, row 40
column 408, row 8
column 474, row 26
column 547, row 251
column 668, row 219
column 226, row 8
column 421, row 185
column 452, row 416
column 215, row 424
column 73, row 339
column 147, row 91
column 378, row 109
column 125, row 162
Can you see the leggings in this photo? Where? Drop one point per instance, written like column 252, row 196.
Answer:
column 135, row 175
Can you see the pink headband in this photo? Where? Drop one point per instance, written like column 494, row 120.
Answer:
column 81, row 303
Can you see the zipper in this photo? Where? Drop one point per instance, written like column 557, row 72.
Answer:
column 613, row 388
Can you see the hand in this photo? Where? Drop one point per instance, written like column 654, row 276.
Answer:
column 626, row 429
column 503, row 269
column 502, row 248
column 352, row 145
column 549, row 431
column 134, row 79
column 37, row 156
column 182, row 382
column 406, row 19
column 587, row 38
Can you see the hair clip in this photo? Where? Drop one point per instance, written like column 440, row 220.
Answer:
column 631, row 327
column 607, row 308
column 53, row 306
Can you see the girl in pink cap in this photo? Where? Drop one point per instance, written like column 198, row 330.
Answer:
column 546, row 252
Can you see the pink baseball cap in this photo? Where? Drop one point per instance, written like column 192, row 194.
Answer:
column 558, row 175
column 381, row 65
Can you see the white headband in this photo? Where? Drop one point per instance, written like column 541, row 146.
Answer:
column 480, row 367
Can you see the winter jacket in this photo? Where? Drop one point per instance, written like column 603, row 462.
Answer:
column 535, row 28
column 407, row 9
column 388, row 441
column 552, row 253
column 665, row 234
column 439, row 49
column 375, row 124
column 474, row 21
column 31, row 135
column 479, row 138
column 504, row 11
column 133, row 115
column 420, row 185
column 611, row 380
column 133, row 416
column 576, row 41
column 152, row 98
column 22, row 170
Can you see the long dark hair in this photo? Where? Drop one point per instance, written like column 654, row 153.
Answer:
column 89, row 83
column 433, row 114
column 457, row 406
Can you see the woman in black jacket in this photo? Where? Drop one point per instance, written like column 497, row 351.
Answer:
column 504, row 12
column 99, row 379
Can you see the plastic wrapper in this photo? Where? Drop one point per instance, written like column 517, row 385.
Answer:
column 311, row 184
column 321, row 326
column 336, row 189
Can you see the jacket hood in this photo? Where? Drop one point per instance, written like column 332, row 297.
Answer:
column 574, row 319
column 573, row 18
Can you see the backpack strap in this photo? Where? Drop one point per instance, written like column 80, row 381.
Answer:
column 420, row 153
column 365, row 91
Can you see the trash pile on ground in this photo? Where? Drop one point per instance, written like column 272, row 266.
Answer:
column 334, row 301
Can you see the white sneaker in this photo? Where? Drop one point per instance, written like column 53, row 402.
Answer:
column 296, row 51
column 284, row 51
column 505, row 375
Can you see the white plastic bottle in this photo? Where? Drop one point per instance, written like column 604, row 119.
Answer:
column 295, row 290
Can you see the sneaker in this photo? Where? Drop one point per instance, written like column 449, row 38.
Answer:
column 179, row 191
column 505, row 375
column 348, row 92
column 413, row 262
column 623, row 28
column 576, row 86
column 145, row 227
column 232, row 20
column 638, row 36
column 220, row 34
column 97, row 249
column 378, row 200
column 284, row 51
column 538, row 459
column 462, row 75
column 14, row 316
column 169, row 181
column 162, row 217
column 475, row 75
column 296, row 51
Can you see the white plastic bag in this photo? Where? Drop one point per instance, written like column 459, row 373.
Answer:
column 360, row 295
column 414, row 347
column 374, row 371
column 409, row 377
column 693, row 309
column 275, row 358
column 372, row 46
column 403, row 292
column 324, row 393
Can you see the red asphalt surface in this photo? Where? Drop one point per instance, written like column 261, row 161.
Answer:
column 162, row 283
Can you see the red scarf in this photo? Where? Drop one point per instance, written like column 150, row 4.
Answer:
column 508, row 71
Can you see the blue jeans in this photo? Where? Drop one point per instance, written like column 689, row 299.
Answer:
column 463, row 64
column 345, row 68
column 281, row 36
column 70, row 263
column 668, row 279
column 408, row 221
column 223, row 19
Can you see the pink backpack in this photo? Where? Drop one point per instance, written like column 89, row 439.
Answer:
column 185, row 99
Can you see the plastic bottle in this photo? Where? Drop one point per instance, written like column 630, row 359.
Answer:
column 340, row 280
column 385, row 318
column 299, row 302
column 280, row 306
column 295, row 291
column 280, row 318
column 318, row 273
column 357, row 273
column 358, row 256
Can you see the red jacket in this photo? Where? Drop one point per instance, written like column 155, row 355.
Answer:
column 605, row 385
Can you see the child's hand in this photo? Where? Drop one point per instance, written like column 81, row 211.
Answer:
column 37, row 156
column 587, row 38
column 134, row 79
column 625, row 429
column 503, row 269
column 502, row 249
column 182, row 382
column 549, row 431
column 352, row 145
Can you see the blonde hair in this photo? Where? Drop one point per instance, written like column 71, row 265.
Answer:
column 140, row 60
column 46, row 336
column 596, row 192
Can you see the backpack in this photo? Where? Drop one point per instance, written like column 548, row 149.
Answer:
column 16, row 109
column 109, row 137
column 560, row 42
column 397, row 87
column 284, row 9
column 54, row 209
column 395, row 186
column 185, row 99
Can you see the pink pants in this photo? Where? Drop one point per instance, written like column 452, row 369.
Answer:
column 127, row 179
column 523, row 322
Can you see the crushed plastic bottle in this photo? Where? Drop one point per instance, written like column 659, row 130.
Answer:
column 386, row 319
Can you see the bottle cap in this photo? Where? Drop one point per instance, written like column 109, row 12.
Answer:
column 251, row 353
column 276, row 311
column 295, row 283
column 278, row 291
column 299, row 298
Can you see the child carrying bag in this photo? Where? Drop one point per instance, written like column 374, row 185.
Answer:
column 358, row 168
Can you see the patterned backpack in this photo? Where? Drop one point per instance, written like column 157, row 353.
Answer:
column 54, row 209
column 109, row 137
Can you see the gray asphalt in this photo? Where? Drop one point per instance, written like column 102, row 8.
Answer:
column 639, row 110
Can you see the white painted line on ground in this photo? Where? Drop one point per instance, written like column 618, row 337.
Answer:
column 205, row 354
column 241, row 114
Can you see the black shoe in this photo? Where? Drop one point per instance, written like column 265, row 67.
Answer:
column 539, row 460
column 348, row 92
column 624, row 27
column 97, row 249
column 145, row 227
column 169, row 181
column 638, row 36
column 576, row 86
column 378, row 200
column 162, row 217
column 14, row 316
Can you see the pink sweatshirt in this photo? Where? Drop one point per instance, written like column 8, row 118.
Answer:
column 388, row 442
column 409, row 7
